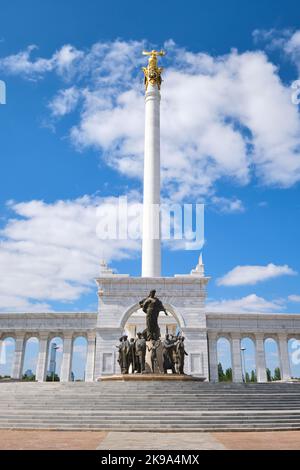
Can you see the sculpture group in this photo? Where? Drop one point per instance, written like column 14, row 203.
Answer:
column 132, row 353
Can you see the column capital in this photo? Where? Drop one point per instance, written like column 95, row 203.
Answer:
column 68, row 335
column 20, row 335
column 235, row 335
column 91, row 335
column 43, row 336
column 259, row 336
column 282, row 336
column 212, row 335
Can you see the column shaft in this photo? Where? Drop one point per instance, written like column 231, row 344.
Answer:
column 260, row 359
column 2, row 352
column 19, row 357
column 67, row 358
column 90, row 359
column 237, row 375
column 151, row 251
column 41, row 368
column 213, row 359
column 284, row 357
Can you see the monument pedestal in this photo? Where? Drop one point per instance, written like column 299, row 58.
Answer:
column 158, row 368
column 150, row 377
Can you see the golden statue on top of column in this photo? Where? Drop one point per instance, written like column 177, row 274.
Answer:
column 153, row 72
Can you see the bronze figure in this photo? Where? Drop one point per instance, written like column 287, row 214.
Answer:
column 124, row 350
column 140, row 351
column 152, row 306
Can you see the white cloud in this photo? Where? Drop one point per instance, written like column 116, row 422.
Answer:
column 250, row 303
column 250, row 275
column 64, row 102
column 220, row 116
column 223, row 117
column 294, row 298
column 286, row 40
column 23, row 64
column 51, row 252
column 292, row 48
column 228, row 205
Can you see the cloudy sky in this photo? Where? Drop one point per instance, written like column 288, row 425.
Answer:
column 72, row 136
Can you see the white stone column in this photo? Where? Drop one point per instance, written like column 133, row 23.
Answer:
column 151, row 251
column 41, row 367
column 67, row 357
column 2, row 352
column 284, row 356
column 90, row 358
column 261, row 373
column 213, row 358
column 237, row 375
column 19, row 356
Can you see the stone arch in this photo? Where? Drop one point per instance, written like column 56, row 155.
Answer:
column 57, row 338
column 293, row 342
column 31, row 352
column 7, row 354
column 79, row 356
column 224, row 356
column 249, row 357
column 272, row 357
column 133, row 308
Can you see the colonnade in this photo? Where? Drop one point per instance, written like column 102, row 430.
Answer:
column 260, row 355
column 68, row 339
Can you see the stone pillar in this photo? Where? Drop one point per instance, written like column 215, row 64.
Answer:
column 41, row 368
column 196, row 363
column 237, row 375
column 213, row 358
column 260, row 358
column 284, row 356
column 67, row 358
column 90, row 358
column 106, row 354
column 151, row 250
column 2, row 352
column 19, row 356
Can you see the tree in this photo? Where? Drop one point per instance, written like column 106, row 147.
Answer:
column 228, row 375
column 50, row 378
column 221, row 374
column 247, row 377
column 253, row 376
column 269, row 376
column 277, row 374
column 28, row 378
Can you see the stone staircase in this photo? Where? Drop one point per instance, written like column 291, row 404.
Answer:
column 150, row 406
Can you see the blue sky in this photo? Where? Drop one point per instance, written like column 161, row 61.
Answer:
column 48, row 155
column 71, row 136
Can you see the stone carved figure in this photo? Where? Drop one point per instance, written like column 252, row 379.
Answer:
column 180, row 355
column 140, row 351
column 124, row 351
column 154, row 359
column 152, row 306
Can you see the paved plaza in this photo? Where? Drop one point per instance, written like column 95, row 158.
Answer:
column 67, row 440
